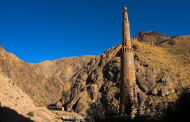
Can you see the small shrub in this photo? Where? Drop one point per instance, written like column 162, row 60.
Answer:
column 13, row 84
column 17, row 98
column 30, row 114
column 71, row 110
column 57, row 117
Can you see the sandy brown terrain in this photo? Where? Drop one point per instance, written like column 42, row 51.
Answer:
column 12, row 98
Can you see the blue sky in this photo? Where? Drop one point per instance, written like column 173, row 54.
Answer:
column 38, row 30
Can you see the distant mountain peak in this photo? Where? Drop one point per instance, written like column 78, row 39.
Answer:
column 149, row 36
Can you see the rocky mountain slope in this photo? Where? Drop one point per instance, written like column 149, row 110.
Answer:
column 45, row 83
column 75, row 82
column 15, row 104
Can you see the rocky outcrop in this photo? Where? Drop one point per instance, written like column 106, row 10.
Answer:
column 152, row 37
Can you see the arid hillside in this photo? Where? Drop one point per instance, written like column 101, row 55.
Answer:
column 43, row 82
column 75, row 82
column 16, row 105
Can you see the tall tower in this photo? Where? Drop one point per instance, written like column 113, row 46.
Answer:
column 128, row 96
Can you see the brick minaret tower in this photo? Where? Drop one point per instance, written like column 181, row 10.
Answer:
column 128, row 96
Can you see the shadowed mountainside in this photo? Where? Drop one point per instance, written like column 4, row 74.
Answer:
column 10, row 115
column 75, row 82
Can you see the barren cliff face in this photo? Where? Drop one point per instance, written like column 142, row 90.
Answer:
column 75, row 82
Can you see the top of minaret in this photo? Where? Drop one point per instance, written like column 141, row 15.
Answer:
column 125, row 15
column 124, row 9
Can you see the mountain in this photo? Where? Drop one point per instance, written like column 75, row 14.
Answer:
column 162, row 71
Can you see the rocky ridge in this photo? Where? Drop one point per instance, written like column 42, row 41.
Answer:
column 152, row 36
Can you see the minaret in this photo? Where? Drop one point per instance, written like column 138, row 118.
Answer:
column 128, row 96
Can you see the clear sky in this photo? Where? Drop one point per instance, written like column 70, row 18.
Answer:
column 38, row 30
